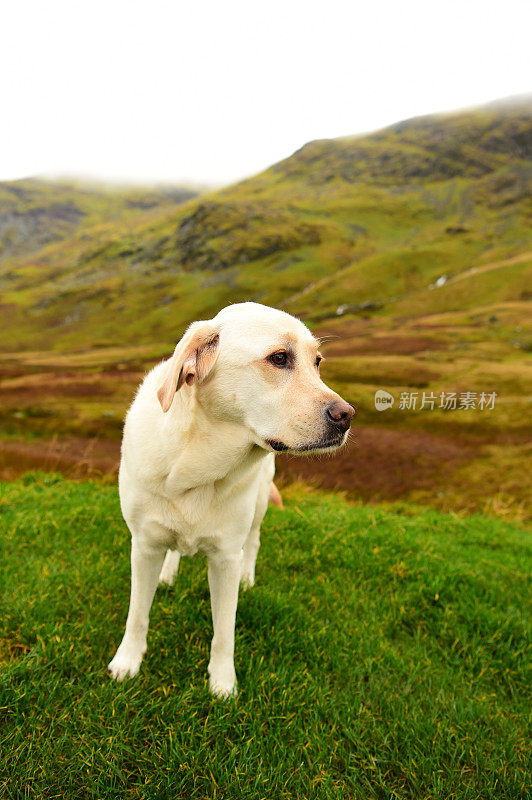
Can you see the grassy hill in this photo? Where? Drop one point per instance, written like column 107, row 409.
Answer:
column 409, row 248
column 370, row 219
column 411, row 684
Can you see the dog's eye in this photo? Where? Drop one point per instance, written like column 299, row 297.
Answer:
column 319, row 359
column 279, row 359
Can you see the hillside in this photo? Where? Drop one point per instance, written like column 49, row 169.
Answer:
column 35, row 212
column 374, row 219
column 410, row 248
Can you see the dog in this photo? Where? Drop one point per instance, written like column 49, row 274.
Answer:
column 198, row 460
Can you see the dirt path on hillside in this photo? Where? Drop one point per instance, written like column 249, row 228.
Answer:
column 481, row 268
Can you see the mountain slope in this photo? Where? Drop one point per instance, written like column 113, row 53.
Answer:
column 35, row 212
column 371, row 219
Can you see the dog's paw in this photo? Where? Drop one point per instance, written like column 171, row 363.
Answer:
column 170, row 568
column 125, row 664
column 222, row 681
column 247, row 577
column 223, row 690
column 167, row 577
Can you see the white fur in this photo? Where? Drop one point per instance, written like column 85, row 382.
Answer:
column 198, row 477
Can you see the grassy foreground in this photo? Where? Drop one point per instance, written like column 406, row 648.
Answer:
column 382, row 654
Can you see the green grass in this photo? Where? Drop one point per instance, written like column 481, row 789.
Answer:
column 382, row 654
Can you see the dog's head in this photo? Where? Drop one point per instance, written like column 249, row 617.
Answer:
column 259, row 367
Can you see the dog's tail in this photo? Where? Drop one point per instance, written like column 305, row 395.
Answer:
column 275, row 496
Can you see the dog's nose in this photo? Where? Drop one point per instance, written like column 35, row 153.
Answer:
column 340, row 414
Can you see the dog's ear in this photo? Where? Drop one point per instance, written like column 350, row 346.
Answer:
column 193, row 359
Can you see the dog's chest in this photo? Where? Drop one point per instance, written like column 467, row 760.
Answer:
column 193, row 520
column 203, row 518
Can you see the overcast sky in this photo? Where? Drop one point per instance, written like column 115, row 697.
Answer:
column 209, row 92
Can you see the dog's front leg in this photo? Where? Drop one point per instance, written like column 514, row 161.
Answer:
column 224, row 579
column 146, row 561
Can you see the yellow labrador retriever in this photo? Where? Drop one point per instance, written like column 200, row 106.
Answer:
column 198, row 461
